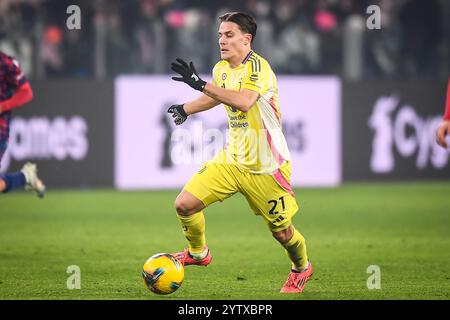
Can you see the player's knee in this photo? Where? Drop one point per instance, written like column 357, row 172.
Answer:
column 183, row 207
column 283, row 236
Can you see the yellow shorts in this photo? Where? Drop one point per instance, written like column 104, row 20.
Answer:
column 269, row 195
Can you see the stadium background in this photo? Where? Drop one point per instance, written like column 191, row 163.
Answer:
column 361, row 109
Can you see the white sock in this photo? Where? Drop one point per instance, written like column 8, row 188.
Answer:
column 200, row 256
column 307, row 265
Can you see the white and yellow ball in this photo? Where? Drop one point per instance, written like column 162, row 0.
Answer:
column 163, row 273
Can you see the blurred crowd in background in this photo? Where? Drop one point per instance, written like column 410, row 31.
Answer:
column 296, row 36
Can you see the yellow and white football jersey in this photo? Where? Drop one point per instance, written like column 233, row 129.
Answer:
column 256, row 141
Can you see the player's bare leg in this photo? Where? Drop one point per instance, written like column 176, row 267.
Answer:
column 189, row 212
column 295, row 246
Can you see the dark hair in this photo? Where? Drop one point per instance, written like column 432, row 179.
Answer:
column 245, row 22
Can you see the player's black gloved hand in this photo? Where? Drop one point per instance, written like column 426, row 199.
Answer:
column 178, row 113
column 188, row 74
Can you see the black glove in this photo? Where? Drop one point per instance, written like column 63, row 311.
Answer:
column 188, row 74
column 178, row 113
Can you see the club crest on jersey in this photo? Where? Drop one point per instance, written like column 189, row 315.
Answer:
column 224, row 76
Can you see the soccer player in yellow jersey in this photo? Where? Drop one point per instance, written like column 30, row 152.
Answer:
column 256, row 160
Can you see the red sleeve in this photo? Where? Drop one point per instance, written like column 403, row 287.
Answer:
column 22, row 95
column 447, row 106
column 14, row 75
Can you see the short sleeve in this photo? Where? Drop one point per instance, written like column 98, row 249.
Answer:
column 257, row 76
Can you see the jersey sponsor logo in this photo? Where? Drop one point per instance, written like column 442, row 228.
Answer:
column 237, row 125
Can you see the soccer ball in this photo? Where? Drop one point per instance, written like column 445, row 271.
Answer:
column 163, row 273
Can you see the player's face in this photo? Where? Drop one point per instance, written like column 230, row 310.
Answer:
column 233, row 43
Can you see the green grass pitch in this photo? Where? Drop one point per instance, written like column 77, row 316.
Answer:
column 404, row 228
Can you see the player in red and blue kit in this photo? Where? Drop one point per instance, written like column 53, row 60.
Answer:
column 15, row 90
